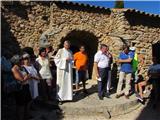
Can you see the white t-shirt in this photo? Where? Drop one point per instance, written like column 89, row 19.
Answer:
column 45, row 69
column 101, row 59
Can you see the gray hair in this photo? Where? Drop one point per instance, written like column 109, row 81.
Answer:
column 68, row 42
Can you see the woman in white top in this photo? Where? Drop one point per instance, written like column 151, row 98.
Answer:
column 45, row 73
column 33, row 82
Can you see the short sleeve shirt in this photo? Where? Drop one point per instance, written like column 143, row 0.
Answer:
column 126, row 67
column 101, row 59
column 80, row 60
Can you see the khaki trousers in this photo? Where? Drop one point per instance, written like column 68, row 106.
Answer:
column 123, row 75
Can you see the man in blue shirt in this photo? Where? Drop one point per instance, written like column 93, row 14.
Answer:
column 125, row 59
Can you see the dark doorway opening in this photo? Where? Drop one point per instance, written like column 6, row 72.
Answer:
column 156, row 50
column 89, row 40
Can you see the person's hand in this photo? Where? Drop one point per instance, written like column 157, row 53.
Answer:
column 35, row 78
column 27, row 77
column 97, row 76
column 68, row 59
column 118, row 61
column 109, row 55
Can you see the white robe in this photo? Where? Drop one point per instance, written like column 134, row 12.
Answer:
column 64, row 75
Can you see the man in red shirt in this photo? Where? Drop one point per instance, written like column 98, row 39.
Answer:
column 81, row 60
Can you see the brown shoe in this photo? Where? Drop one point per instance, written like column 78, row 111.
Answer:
column 118, row 96
column 126, row 96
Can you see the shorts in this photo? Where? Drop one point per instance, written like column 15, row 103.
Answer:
column 135, row 76
column 139, row 79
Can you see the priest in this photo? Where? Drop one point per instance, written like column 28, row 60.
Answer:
column 64, row 62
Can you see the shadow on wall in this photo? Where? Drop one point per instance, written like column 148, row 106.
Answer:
column 22, row 10
column 17, row 8
column 135, row 18
column 9, row 43
column 155, row 50
column 89, row 40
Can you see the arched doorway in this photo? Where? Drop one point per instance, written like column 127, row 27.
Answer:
column 155, row 50
column 89, row 40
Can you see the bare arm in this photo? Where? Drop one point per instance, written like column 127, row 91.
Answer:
column 96, row 69
column 19, row 76
column 124, row 61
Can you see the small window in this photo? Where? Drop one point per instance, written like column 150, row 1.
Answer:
column 45, row 18
column 143, row 51
column 133, row 44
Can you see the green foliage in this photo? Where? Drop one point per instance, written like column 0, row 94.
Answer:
column 119, row 4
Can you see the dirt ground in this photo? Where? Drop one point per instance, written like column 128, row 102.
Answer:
column 145, row 112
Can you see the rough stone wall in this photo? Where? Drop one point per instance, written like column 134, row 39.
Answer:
column 25, row 23
column 134, row 29
column 144, row 31
column 65, row 21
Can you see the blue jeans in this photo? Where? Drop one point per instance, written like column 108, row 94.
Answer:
column 80, row 76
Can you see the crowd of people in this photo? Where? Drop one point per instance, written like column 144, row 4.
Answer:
column 29, row 77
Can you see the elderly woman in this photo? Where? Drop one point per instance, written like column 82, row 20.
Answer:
column 33, row 82
column 23, row 96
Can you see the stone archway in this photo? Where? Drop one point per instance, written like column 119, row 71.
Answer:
column 155, row 50
column 82, row 37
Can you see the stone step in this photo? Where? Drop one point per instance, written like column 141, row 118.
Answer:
column 88, row 105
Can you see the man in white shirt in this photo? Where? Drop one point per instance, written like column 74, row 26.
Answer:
column 101, row 66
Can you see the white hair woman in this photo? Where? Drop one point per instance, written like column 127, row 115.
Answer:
column 33, row 82
column 23, row 96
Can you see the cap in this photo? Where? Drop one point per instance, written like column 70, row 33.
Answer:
column 132, row 48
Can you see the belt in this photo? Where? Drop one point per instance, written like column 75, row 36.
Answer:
column 103, row 68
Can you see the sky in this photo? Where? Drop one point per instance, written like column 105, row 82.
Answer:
column 148, row 6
